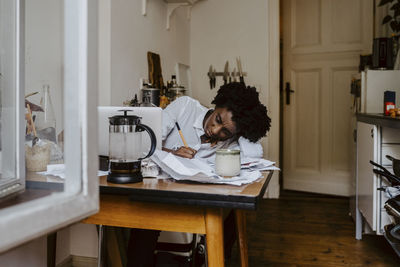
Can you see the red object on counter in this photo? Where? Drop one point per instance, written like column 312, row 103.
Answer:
column 389, row 100
column 389, row 106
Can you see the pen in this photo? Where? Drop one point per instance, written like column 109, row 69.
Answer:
column 180, row 133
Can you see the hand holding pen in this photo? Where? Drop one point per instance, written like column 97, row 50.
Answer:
column 184, row 151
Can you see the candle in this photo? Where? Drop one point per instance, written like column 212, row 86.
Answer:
column 227, row 162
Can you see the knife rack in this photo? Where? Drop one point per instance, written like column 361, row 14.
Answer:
column 232, row 74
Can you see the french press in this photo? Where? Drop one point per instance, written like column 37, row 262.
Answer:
column 125, row 148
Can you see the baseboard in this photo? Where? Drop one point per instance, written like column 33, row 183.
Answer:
column 78, row 261
column 334, row 188
column 67, row 262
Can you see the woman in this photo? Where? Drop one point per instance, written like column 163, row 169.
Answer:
column 238, row 121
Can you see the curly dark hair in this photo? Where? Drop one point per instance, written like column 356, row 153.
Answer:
column 249, row 115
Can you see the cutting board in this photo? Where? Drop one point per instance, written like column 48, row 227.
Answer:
column 155, row 73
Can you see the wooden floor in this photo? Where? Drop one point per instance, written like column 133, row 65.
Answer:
column 302, row 229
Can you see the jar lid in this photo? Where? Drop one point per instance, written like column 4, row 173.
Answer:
column 150, row 89
column 180, row 88
column 124, row 119
column 228, row 152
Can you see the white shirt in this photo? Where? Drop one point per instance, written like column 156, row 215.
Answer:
column 189, row 114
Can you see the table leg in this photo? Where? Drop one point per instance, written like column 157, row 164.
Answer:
column 242, row 237
column 100, row 245
column 51, row 249
column 359, row 225
column 214, row 237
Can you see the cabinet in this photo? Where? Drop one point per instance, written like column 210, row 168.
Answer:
column 367, row 149
column 375, row 139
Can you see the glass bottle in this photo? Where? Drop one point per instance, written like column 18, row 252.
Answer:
column 45, row 121
column 173, row 81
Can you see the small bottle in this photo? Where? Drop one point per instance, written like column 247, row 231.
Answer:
column 173, row 81
column 135, row 102
column 46, row 121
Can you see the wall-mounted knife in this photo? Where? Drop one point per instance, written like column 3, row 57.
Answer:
column 239, row 65
column 209, row 74
column 214, row 79
column 226, row 72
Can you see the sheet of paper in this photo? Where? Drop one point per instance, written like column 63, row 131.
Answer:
column 198, row 170
column 59, row 170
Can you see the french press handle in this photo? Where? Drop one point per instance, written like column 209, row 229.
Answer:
column 152, row 138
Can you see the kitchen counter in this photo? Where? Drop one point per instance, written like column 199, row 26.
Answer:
column 379, row 119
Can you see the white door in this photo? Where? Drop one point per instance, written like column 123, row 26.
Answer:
column 322, row 41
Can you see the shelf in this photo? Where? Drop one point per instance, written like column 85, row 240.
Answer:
column 172, row 5
column 379, row 119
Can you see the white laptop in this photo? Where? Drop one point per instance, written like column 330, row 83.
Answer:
column 151, row 116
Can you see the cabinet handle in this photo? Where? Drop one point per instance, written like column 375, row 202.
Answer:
column 372, row 133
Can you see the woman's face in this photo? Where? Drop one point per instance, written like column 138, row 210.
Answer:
column 219, row 125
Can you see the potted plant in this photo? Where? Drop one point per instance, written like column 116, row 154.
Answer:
column 394, row 21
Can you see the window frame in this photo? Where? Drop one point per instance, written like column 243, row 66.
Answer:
column 13, row 66
column 23, row 222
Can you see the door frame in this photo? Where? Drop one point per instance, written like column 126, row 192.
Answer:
column 273, row 12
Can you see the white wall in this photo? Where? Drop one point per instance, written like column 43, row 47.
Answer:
column 83, row 240
column 131, row 36
column 34, row 253
column 44, row 52
column 225, row 29
column 31, row 254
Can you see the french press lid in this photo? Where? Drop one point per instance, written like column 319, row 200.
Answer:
column 124, row 119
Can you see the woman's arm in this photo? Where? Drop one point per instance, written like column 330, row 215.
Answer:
column 250, row 149
column 171, row 114
column 184, row 152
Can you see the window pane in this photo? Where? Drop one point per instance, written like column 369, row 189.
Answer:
column 8, row 92
column 31, row 94
column 44, row 30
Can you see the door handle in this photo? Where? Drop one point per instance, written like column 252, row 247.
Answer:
column 288, row 91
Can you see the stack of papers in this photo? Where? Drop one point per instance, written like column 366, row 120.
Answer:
column 202, row 171
column 253, row 164
column 59, row 170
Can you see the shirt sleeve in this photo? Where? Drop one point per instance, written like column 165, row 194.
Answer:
column 171, row 114
column 250, row 149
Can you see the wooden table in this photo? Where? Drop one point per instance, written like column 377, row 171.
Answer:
column 168, row 205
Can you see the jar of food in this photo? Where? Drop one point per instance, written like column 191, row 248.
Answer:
column 176, row 92
column 227, row 162
column 37, row 157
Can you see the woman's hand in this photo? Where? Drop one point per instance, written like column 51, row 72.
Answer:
column 184, row 152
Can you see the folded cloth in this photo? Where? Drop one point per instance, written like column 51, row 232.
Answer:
column 392, row 191
column 198, row 170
